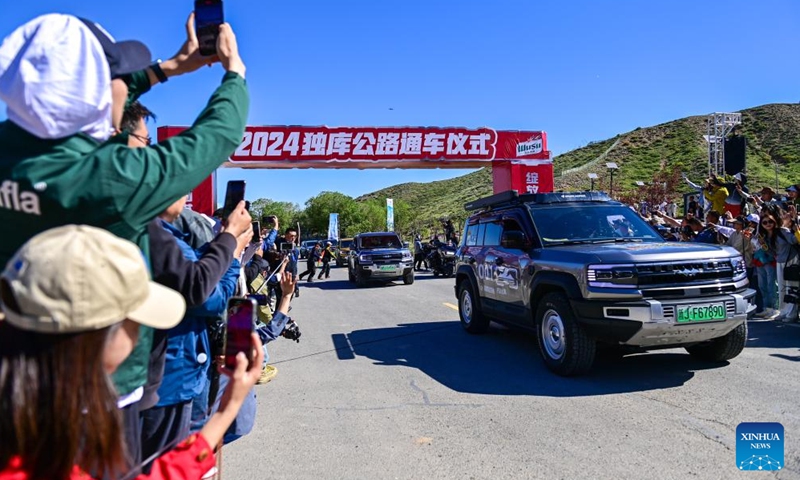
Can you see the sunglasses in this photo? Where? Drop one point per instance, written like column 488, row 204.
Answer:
column 767, row 222
column 146, row 140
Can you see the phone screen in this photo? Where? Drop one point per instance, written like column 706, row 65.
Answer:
column 233, row 195
column 208, row 17
column 256, row 232
column 286, row 247
column 241, row 323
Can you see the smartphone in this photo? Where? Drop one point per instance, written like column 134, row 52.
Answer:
column 256, row 231
column 240, row 325
column 268, row 219
column 208, row 17
column 287, row 247
column 233, row 195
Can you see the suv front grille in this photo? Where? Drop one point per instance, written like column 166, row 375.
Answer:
column 386, row 258
column 682, row 273
column 688, row 291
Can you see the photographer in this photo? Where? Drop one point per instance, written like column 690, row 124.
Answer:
column 194, row 280
column 314, row 256
column 184, row 351
column 327, row 257
column 281, row 325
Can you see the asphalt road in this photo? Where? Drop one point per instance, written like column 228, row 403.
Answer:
column 385, row 384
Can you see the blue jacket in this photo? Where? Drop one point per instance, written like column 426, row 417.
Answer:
column 188, row 351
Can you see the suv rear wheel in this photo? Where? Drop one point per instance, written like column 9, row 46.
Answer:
column 566, row 348
column 472, row 319
column 408, row 278
column 722, row 348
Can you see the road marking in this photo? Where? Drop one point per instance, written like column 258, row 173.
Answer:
column 450, row 305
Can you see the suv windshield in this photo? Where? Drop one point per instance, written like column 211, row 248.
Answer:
column 590, row 224
column 381, row 241
column 346, row 244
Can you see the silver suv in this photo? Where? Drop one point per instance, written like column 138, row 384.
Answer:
column 379, row 256
column 586, row 273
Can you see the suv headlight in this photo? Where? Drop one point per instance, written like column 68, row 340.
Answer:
column 364, row 258
column 612, row 276
column 407, row 256
column 739, row 268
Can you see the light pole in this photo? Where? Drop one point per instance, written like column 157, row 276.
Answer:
column 611, row 166
column 592, row 178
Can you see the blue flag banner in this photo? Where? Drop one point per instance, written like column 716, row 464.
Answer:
column 389, row 215
column 333, row 226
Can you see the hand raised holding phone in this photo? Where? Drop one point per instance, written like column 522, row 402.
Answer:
column 239, row 224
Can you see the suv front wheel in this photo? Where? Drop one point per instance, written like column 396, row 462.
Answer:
column 722, row 348
column 566, row 348
column 472, row 319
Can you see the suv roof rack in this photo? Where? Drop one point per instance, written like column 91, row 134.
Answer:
column 512, row 197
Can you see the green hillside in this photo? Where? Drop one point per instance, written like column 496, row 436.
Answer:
column 772, row 131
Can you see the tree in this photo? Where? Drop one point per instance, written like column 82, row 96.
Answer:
column 316, row 216
column 288, row 213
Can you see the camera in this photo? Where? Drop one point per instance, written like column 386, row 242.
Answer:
column 291, row 331
column 259, row 298
column 792, row 296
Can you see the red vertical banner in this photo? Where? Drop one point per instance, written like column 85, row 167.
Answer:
column 203, row 199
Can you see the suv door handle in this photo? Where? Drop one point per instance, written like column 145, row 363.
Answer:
column 498, row 261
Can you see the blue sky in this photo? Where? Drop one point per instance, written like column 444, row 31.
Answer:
column 580, row 70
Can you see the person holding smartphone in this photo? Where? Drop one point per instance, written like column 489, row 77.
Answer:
column 245, row 419
column 60, row 428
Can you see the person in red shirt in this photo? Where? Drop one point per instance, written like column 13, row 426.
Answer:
column 72, row 300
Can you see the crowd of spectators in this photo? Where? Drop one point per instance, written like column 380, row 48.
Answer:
column 764, row 230
column 113, row 294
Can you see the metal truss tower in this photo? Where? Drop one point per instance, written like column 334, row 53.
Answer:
column 719, row 126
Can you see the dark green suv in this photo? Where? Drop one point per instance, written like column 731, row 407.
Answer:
column 584, row 272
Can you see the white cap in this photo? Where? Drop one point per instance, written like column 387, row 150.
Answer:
column 753, row 217
column 78, row 278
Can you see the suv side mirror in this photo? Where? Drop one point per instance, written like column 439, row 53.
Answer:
column 405, row 244
column 514, row 239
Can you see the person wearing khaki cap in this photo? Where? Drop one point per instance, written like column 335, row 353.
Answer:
column 72, row 300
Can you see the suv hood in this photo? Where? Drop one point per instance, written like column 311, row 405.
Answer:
column 646, row 252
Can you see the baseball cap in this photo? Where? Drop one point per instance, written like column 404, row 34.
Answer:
column 768, row 190
column 753, row 217
column 791, row 188
column 123, row 57
column 739, row 220
column 78, row 278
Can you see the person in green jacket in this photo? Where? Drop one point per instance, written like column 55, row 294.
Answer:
column 65, row 83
